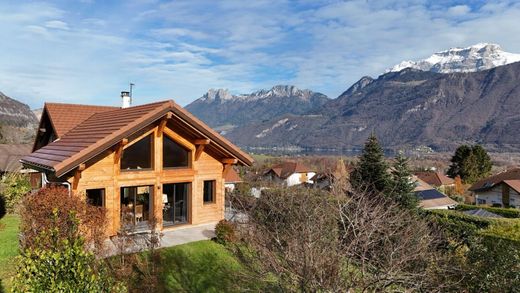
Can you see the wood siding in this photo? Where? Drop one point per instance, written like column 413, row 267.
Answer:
column 104, row 172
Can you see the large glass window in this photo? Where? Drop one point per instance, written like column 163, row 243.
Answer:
column 175, row 200
column 96, row 197
column 136, row 205
column 209, row 191
column 174, row 155
column 139, row 155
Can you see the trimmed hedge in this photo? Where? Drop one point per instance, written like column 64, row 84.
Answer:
column 504, row 212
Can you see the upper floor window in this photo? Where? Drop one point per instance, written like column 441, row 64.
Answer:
column 139, row 155
column 174, row 154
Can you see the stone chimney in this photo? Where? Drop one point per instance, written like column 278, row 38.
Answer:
column 127, row 99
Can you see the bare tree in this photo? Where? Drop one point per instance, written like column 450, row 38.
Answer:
column 316, row 241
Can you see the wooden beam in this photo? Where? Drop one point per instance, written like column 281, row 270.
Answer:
column 119, row 150
column 200, row 143
column 81, row 167
column 163, row 122
column 77, row 177
column 231, row 161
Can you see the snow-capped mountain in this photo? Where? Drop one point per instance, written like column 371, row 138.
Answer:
column 221, row 109
column 478, row 57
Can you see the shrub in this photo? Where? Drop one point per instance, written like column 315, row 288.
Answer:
column 37, row 213
column 13, row 187
column 225, row 232
column 504, row 212
column 59, row 263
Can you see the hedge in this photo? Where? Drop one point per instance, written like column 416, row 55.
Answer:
column 504, row 212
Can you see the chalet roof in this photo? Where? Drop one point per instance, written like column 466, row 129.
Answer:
column 434, row 178
column 232, row 177
column 482, row 213
column 65, row 117
column 432, row 198
column 420, row 185
column 492, row 181
column 286, row 169
column 10, row 155
column 105, row 129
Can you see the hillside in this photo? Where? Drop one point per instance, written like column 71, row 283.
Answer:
column 221, row 110
column 17, row 122
column 406, row 109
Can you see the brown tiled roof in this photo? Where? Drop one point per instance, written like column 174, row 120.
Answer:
column 286, row 169
column 514, row 184
column 10, row 154
column 491, row 181
column 65, row 117
column 420, row 185
column 232, row 176
column 105, row 129
column 434, row 178
column 437, row 202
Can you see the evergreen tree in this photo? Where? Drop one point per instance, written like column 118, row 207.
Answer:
column 402, row 184
column 470, row 163
column 370, row 173
column 483, row 161
column 457, row 160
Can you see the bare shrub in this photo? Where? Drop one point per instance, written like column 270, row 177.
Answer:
column 315, row 241
column 37, row 213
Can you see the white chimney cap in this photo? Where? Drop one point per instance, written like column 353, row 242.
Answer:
column 127, row 100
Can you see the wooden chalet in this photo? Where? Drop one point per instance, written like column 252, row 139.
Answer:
column 150, row 162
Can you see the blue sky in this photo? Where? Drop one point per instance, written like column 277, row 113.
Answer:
column 88, row 51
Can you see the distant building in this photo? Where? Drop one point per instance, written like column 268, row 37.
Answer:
column 431, row 198
column 482, row 213
column 290, row 173
column 231, row 178
column 501, row 190
column 436, row 179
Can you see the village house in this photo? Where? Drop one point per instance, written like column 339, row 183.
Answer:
column 431, row 198
column 10, row 155
column 232, row 179
column 436, row 179
column 154, row 162
column 500, row 190
column 290, row 174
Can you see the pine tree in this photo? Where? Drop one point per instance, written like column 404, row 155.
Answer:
column 370, row 173
column 402, row 184
column 470, row 163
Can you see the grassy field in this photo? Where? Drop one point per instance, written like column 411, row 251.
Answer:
column 8, row 246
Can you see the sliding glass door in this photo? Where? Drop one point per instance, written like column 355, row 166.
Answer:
column 175, row 199
column 136, row 205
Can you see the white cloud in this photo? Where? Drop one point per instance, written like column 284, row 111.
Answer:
column 57, row 24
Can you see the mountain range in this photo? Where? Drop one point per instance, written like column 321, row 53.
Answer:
column 461, row 95
column 17, row 122
column 224, row 111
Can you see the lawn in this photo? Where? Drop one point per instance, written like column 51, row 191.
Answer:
column 8, row 246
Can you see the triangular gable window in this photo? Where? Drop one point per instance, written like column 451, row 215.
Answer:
column 139, row 155
column 174, row 154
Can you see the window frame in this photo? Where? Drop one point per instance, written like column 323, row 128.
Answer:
column 213, row 193
column 152, row 154
column 190, row 164
column 103, row 196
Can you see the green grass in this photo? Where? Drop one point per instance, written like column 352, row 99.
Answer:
column 202, row 266
column 8, row 247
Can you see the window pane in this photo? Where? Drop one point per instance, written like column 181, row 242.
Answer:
column 174, row 155
column 95, row 197
column 139, row 155
column 209, row 191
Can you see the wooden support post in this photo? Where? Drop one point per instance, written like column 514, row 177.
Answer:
column 117, row 154
column 200, row 143
column 163, row 122
column 228, row 164
column 77, row 177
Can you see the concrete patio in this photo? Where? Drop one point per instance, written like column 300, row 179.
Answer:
column 176, row 236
